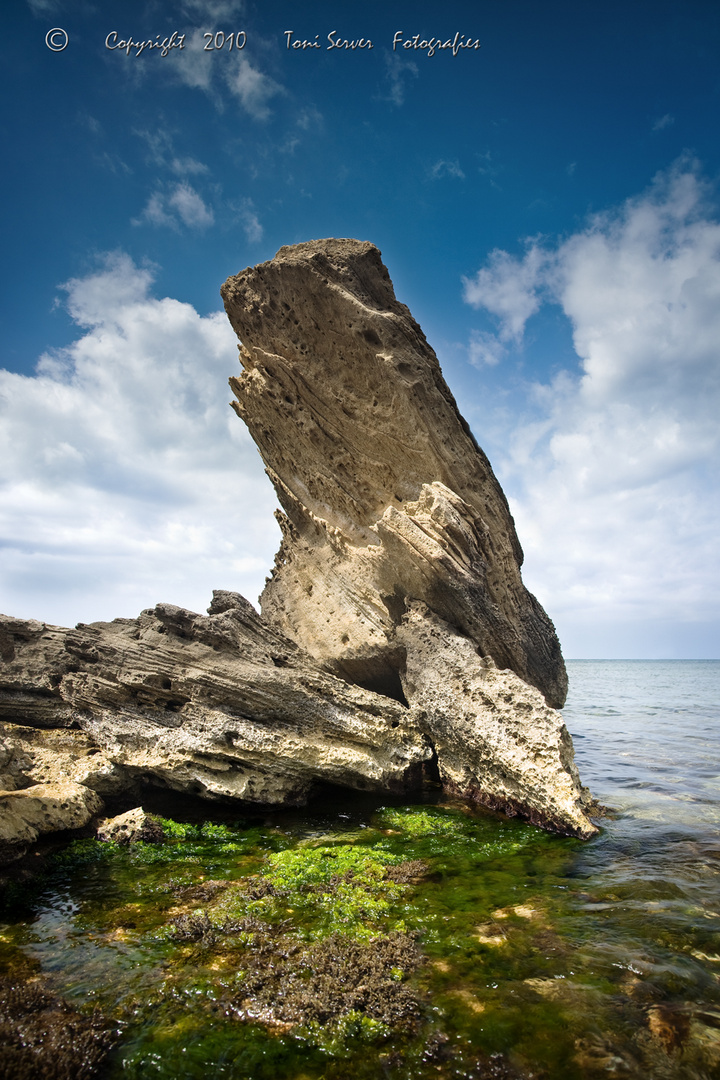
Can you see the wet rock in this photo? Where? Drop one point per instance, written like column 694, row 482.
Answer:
column 330, row 979
column 43, row 808
column 409, row 872
column 496, row 739
column 131, row 827
column 194, row 926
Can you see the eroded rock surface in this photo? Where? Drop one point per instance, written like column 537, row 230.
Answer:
column 385, row 491
column 399, row 568
column 220, row 705
column 397, row 640
column 27, row 813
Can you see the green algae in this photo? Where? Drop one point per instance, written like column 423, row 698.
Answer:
column 416, row 941
column 324, row 889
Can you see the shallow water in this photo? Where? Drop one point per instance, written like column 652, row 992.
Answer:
column 542, row 956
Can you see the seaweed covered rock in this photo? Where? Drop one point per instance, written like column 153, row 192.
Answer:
column 391, row 510
column 329, row 981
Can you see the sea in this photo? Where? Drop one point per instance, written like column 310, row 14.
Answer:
column 542, row 957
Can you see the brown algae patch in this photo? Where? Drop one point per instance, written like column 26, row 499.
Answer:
column 42, row 1037
column 327, row 982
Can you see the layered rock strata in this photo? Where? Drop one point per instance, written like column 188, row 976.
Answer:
column 386, row 494
column 399, row 568
column 222, row 706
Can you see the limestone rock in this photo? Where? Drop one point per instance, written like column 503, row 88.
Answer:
column 219, row 705
column 497, row 741
column 397, row 637
column 43, row 808
column 50, row 756
column 130, row 827
column 399, row 568
column 385, row 491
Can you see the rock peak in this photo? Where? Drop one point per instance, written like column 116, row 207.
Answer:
column 398, row 543
column 382, row 483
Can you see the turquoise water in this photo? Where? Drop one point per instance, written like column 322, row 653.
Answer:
column 255, row 949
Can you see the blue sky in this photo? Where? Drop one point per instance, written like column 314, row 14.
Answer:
column 547, row 206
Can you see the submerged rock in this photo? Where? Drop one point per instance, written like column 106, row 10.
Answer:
column 43, row 1037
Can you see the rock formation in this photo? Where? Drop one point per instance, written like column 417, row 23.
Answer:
column 399, row 568
column 385, row 491
column 219, row 705
column 397, row 640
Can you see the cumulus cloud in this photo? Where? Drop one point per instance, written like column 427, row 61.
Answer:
column 508, row 288
column 179, row 204
column 613, row 471
column 126, row 477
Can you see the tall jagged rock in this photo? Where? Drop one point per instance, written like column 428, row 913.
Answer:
column 385, row 491
column 395, row 529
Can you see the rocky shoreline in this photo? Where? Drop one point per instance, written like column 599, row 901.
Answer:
column 397, row 644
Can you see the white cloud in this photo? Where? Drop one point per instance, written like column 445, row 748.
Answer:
column 446, row 168
column 194, row 66
column 180, row 203
column 613, row 472
column 156, row 213
column 126, row 478
column 253, row 89
column 218, row 71
column 187, row 166
column 213, row 11
column 43, row 7
column 398, row 72
column 190, row 206
column 484, row 349
column 663, row 122
column 162, row 153
column 249, row 220
column 508, row 288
